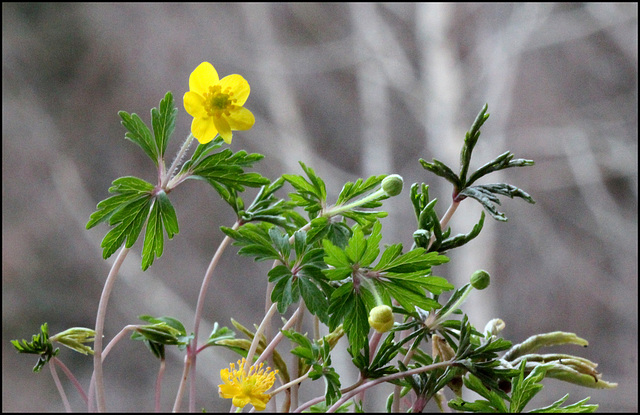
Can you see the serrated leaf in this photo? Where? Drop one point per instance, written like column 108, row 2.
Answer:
column 153, row 239
column 352, row 190
column 163, row 122
column 139, row 133
column 470, row 140
column 128, row 222
column 440, row 169
column 458, row 240
column 503, row 161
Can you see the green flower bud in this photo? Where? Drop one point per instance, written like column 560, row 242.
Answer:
column 381, row 318
column 74, row 338
column 392, row 185
column 480, row 279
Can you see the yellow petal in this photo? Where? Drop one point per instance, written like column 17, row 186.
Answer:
column 194, row 104
column 241, row 119
column 203, row 129
column 238, row 86
column 223, row 128
column 260, row 403
column 240, row 401
column 204, row 76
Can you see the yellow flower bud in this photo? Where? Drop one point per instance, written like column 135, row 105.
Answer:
column 381, row 318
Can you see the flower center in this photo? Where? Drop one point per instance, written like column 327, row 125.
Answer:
column 218, row 102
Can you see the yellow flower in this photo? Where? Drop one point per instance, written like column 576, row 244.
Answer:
column 216, row 105
column 247, row 388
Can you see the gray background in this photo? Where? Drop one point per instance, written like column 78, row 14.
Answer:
column 351, row 90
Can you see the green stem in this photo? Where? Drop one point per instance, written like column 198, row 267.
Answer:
column 336, row 210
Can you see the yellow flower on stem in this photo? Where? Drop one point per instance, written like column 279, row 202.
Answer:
column 249, row 387
column 216, row 105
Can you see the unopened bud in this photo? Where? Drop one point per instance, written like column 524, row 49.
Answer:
column 381, row 318
column 392, row 185
column 480, row 279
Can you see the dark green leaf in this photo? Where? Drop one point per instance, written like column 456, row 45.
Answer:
column 139, row 133
column 470, row 140
column 503, row 161
column 458, row 240
column 40, row 345
column 163, row 122
column 440, row 169
column 485, row 194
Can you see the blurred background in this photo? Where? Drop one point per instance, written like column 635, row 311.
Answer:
column 352, row 90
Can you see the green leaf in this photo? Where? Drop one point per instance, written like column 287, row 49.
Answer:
column 153, row 239
column 255, row 241
column 139, row 133
column 441, row 246
column 311, row 194
column 284, row 292
column 352, row 190
column 220, row 333
column 163, row 122
column 470, row 140
column 414, row 260
column 40, row 345
column 161, row 332
column 129, row 189
column 578, row 407
column 128, row 222
column 485, row 194
column 266, row 207
column 440, row 169
column 503, row 161
column 75, row 339
column 524, row 389
column 226, row 169
column 136, row 201
column 493, row 402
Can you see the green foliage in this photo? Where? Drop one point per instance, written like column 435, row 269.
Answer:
column 402, row 277
column 315, row 356
column 310, row 194
column 299, row 277
column 40, row 345
column 163, row 122
column 266, row 207
column 340, row 272
column 161, row 332
column 292, row 278
column 75, row 339
column 224, row 171
column 136, row 202
column 485, row 194
column 381, row 364
column 429, row 224
column 523, row 389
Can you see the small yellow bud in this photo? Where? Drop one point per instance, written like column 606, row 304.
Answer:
column 381, row 318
